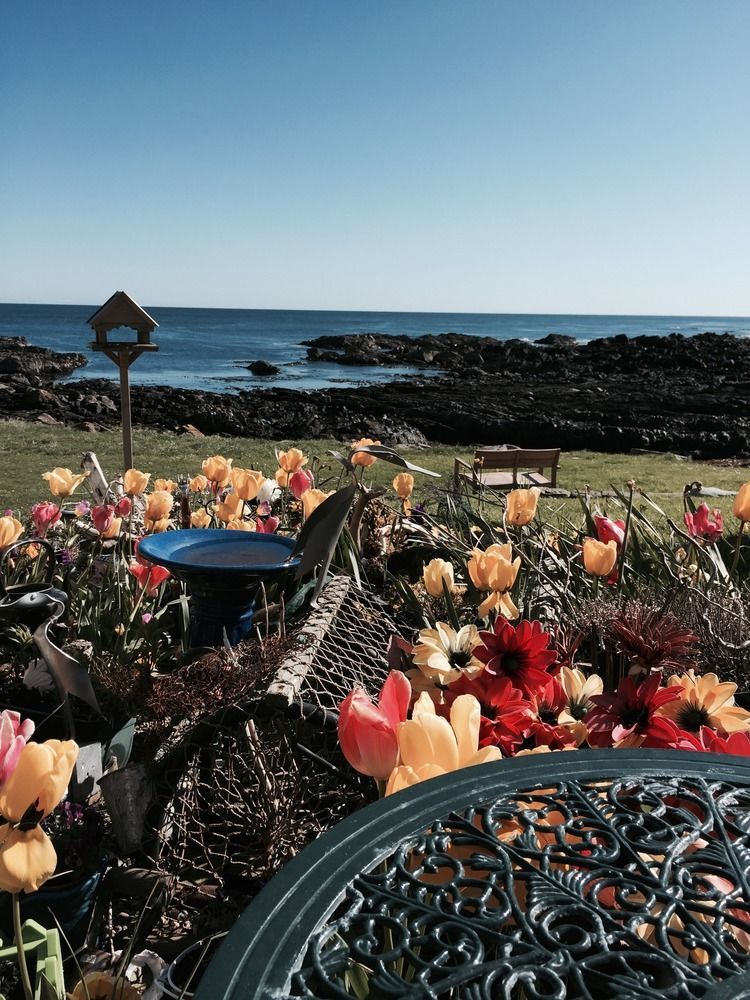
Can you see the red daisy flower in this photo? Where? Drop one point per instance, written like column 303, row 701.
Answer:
column 627, row 717
column 505, row 712
column 519, row 653
column 547, row 704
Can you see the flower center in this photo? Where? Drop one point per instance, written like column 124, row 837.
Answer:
column 578, row 709
column 459, row 658
column 547, row 714
column 511, row 662
column 692, row 717
column 635, row 717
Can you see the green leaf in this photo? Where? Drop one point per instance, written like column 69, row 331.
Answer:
column 389, row 455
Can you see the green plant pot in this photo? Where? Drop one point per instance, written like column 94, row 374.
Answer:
column 44, row 958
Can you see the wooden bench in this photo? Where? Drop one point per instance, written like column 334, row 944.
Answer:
column 507, row 468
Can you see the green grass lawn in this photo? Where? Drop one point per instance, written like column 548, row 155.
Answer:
column 29, row 449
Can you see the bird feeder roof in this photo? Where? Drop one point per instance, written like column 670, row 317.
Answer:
column 121, row 310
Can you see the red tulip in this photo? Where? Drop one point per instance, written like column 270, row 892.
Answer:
column 368, row 733
column 268, row 526
column 102, row 517
column 609, row 530
column 123, row 507
column 301, row 481
column 149, row 576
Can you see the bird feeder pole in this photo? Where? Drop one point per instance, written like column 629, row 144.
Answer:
column 118, row 311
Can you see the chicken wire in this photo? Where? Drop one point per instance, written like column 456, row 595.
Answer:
column 245, row 789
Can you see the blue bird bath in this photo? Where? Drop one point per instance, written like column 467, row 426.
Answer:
column 224, row 571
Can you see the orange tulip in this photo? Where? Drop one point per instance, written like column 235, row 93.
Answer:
column 311, row 500
column 62, row 482
column 230, row 508
column 218, row 469
column 33, row 790
column 247, row 482
column 521, row 506
column 292, row 460
column 135, row 482
column 165, row 485
column 434, row 573
column 282, row 478
column 113, row 529
column 238, row 525
column 599, row 559
column 403, row 484
column 198, row 484
column 103, row 986
column 368, row 732
column 741, row 507
column 11, row 530
column 200, row 519
column 159, row 506
column 494, row 569
column 362, row 457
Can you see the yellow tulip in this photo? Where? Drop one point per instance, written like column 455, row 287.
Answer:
column 165, row 485
column 599, row 559
column 230, row 508
column 430, row 745
column 200, row 519
column 62, row 482
column 362, row 457
column 403, row 484
column 247, row 482
column 114, row 528
column 292, row 460
column 282, row 478
column 11, row 530
column 218, row 469
column 135, row 482
column 198, row 484
column 521, row 506
column 33, row 790
column 433, row 574
column 741, row 506
column 237, row 525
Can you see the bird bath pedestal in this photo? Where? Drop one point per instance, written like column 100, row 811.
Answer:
column 224, row 571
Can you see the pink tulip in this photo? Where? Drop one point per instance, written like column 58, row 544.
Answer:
column 123, row 507
column 44, row 515
column 102, row 517
column 368, row 733
column 301, row 481
column 705, row 523
column 13, row 737
column 268, row 526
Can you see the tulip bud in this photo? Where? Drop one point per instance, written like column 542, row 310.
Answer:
column 741, row 508
column 198, row 484
column 102, row 517
column 200, row 519
column 44, row 515
column 521, row 506
column 403, row 484
column 311, row 500
column 434, row 573
column 363, row 458
column 247, row 483
column 230, row 508
column 368, row 732
column 599, row 558
column 123, row 507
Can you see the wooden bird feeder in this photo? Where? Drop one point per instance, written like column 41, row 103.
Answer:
column 121, row 311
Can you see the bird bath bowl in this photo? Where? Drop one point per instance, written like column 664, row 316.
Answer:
column 224, row 571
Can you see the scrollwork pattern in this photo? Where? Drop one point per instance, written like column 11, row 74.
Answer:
column 626, row 888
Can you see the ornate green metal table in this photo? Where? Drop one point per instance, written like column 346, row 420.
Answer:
column 593, row 874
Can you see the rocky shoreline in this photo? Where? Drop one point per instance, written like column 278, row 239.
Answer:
column 683, row 394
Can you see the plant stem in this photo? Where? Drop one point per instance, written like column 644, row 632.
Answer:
column 737, row 549
column 22, row 967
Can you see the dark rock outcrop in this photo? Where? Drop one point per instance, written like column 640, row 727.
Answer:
column 685, row 395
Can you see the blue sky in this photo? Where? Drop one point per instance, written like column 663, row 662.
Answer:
column 533, row 156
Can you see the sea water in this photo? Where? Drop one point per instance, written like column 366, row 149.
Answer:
column 210, row 348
